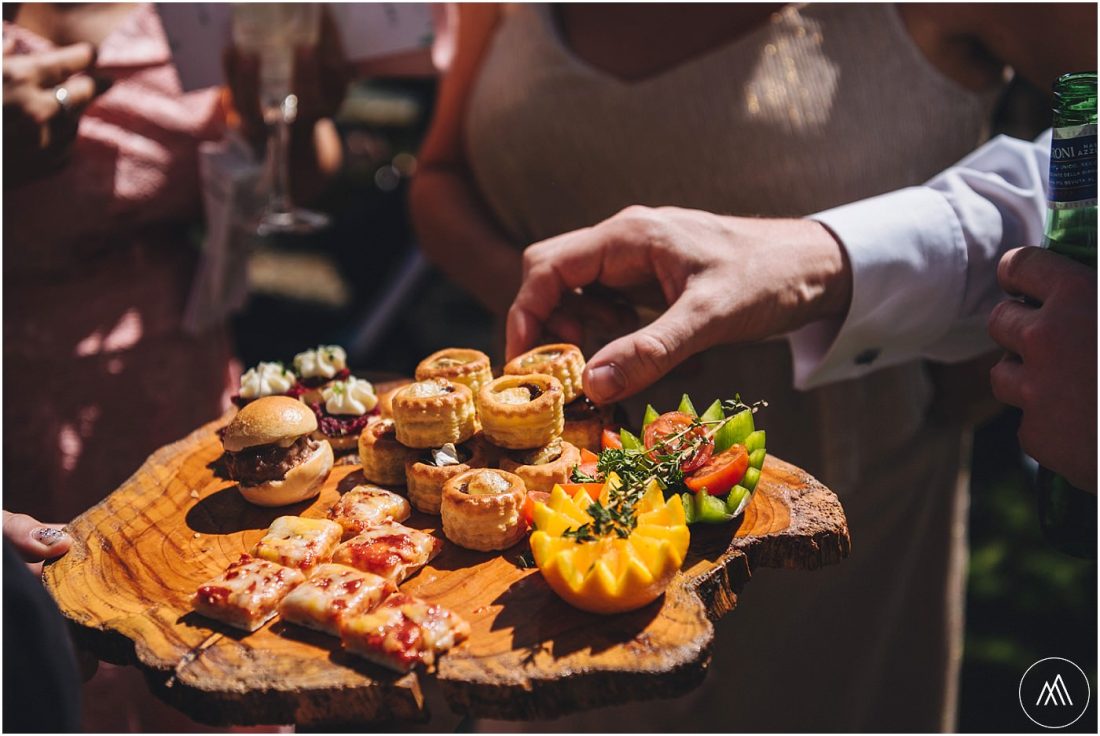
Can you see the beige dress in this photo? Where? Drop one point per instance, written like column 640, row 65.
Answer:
column 824, row 105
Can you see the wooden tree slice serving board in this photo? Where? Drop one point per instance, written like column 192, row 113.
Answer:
column 139, row 555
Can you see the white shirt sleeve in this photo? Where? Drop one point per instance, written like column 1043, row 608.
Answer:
column 924, row 263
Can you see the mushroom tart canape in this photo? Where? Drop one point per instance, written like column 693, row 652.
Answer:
column 482, row 509
column 563, row 361
column 544, row 467
column 434, row 412
column 426, row 474
column 461, row 365
column 521, row 412
column 382, row 456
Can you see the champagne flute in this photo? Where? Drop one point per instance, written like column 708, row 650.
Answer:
column 274, row 31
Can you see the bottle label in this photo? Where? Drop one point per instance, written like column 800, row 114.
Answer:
column 1073, row 167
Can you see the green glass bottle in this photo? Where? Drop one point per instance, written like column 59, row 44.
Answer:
column 1067, row 514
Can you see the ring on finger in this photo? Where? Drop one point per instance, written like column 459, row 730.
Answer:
column 64, row 99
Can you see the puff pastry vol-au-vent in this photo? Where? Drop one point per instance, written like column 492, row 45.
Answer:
column 482, row 509
column 461, row 365
column 521, row 412
column 382, row 456
column 433, row 412
column 426, row 474
column 543, row 467
column 563, row 361
column 584, row 424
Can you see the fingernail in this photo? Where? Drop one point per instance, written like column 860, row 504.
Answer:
column 604, row 382
column 48, row 536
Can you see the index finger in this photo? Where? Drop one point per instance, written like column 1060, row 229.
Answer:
column 57, row 65
column 567, row 262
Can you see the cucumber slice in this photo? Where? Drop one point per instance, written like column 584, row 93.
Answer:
column 688, row 500
column 650, row 415
column 710, row 509
column 738, row 498
column 752, row 477
column 687, row 407
column 735, row 431
column 714, row 412
column 755, row 441
column 630, row 440
column 756, row 458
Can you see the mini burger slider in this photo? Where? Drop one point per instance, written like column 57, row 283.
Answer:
column 269, row 452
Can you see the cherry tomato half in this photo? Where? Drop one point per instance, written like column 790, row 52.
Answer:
column 533, row 497
column 721, row 473
column 610, row 440
column 677, row 424
column 588, row 464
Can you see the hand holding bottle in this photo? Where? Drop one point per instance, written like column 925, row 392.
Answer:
column 1050, row 369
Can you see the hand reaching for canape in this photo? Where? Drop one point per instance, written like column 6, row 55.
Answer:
column 724, row 279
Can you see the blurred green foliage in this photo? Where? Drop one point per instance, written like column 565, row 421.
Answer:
column 1025, row 601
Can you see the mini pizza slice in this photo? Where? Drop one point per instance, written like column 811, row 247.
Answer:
column 299, row 543
column 402, row 632
column 389, row 549
column 366, row 506
column 247, row 594
column 332, row 592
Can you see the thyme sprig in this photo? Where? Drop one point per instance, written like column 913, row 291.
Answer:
column 637, row 467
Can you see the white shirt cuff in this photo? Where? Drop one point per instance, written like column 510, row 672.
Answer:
column 893, row 241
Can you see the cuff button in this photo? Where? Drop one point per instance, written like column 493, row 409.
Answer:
column 867, row 357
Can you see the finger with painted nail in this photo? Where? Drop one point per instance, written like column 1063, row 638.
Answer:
column 34, row 540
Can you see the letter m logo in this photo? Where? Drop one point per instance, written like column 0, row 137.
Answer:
column 1054, row 693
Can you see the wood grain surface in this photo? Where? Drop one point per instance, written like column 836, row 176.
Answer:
column 139, row 555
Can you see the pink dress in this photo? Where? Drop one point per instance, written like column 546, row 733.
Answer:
column 98, row 260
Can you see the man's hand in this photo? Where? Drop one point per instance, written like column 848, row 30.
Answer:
column 724, row 279
column 1050, row 369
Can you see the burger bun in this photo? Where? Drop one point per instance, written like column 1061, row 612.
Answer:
column 267, row 421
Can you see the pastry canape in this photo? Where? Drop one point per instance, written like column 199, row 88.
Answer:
column 391, row 550
column 426, row 474
column 563, row 361
column 318, row 366
column 461, row 365
column 332, row 593
column 482, row 509
column 382, row 456
column 434, row 412
column 299, row 543
column 365, row 506
column 584, row 423
column 345, row 409
column 271, row 455
column 543, row 467
column 265, row 379
column 247, row 594
column 403, row 632
column 521, row 412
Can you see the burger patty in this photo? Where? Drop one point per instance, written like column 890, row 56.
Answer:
column 255, row 465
